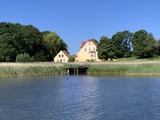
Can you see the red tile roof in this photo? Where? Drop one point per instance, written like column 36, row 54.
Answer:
column 94, row 41
column 83, row 43
column 66, row 53
column 90, row 40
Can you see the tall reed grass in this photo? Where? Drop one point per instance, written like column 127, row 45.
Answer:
column 125, row 70
column 149, row 69
column 17, row 71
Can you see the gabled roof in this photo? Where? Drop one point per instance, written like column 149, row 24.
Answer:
column 66, row 53
column 90, row 40
column 94, row 41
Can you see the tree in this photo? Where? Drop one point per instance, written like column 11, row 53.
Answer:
column 53, row 44
column 16, row 39
column 143, row 44
column 7, row 52
column 122, row 43
column 157, row 51
column 127, row 43
column 45, row 32
column 106, row 48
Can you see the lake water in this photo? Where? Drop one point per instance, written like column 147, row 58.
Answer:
column 80, row 98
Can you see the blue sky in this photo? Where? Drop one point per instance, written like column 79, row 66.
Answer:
column 79, row 20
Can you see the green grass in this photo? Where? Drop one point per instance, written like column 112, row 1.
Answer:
column 138, row 59
column 127, row 59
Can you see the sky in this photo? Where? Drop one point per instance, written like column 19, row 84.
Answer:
column 76, row 21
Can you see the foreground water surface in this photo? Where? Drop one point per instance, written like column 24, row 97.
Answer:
column 80, row 98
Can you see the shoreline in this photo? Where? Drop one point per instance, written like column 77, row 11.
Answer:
column 109, row 68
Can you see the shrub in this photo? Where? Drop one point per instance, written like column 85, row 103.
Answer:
column 23, row 57
column 71, row 59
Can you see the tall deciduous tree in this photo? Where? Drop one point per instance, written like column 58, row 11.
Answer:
column 157, row 51
column 106, row 48
column 127, row 43
column 16, row 39
column 122, row 43
column 53, row 43
column 143, row 44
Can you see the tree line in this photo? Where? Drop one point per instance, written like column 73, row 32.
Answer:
column 25, row 42
column 126, row 44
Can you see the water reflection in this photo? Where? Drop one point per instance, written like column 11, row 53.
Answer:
column 80, row 98
column 83, row 95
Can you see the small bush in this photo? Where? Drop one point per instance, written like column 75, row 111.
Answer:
column 71, row 59
column 23, row 57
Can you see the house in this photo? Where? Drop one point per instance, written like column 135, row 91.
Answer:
column 62, row 56
column 88, row 51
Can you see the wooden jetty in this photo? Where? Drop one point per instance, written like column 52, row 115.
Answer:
column 77, row 70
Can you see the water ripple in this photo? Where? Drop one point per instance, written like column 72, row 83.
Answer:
column 80, row 98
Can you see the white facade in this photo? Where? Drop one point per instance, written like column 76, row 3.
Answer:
column 62, row 56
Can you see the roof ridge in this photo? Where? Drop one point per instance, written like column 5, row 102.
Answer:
column 66, row 53
column 89, row 40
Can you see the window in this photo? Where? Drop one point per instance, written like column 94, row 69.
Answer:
column 59, row 56
column 62, row 56
column 85, row 49
column 93, row 55
column 89, row 43
column 94, row 49
column 89, row 49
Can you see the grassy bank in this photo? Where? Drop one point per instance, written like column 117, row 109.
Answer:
column 151, row 69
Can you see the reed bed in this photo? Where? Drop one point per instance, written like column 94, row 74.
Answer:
column 125, row 70
column 21, row 71
column 147, row 68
